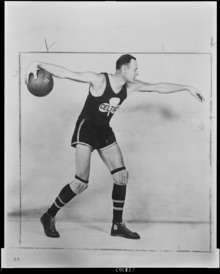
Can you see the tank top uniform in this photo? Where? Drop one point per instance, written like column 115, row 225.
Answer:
column 92, row 126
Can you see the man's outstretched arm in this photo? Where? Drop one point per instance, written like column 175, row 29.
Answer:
column 63, row 73
column 164, row 88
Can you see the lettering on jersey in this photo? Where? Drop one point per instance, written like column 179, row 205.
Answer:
column 110, row 107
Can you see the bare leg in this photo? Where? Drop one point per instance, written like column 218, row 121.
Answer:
column 82, row 161
column 112, row 157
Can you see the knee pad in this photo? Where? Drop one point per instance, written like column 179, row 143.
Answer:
column 120, row 176
column 78, row 185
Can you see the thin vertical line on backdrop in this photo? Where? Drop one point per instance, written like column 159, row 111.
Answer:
column 20, row 180
column 210, row 158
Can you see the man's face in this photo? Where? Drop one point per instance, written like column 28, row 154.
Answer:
column 131, row 70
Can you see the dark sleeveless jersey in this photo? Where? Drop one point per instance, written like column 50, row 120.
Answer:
column 99, row 110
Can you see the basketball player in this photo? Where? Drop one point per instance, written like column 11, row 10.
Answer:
column 92, row 131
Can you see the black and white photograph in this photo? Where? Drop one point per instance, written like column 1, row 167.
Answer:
column 110, row 135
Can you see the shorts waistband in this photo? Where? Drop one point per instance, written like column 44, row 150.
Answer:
column 93, row 123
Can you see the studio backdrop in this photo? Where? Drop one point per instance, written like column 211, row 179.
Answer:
column 165, row 140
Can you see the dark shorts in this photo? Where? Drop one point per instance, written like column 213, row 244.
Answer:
column 94, row 136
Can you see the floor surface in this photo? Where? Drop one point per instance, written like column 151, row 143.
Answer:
column 90, row 245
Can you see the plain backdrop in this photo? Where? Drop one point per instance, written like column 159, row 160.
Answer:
column 165, row 139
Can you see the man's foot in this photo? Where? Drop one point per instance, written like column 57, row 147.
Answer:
column 48, row 223
column 120, row 229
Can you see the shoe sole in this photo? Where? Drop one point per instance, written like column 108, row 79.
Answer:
column 124, row 236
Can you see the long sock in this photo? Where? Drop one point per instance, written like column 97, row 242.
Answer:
column 118, row 198
column 65, row 195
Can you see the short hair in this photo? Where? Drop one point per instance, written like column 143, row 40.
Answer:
column 123, row 60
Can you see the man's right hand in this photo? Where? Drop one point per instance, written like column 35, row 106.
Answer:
column 32, row 68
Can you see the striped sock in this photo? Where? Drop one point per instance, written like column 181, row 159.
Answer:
column 65, row 195
column 118, row 198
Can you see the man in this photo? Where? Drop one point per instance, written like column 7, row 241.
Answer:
column 92, row 131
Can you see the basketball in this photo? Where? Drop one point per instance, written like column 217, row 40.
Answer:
column 42, row 85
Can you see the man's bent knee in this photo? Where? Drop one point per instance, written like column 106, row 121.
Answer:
column 78, row 185
column 120, row 176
